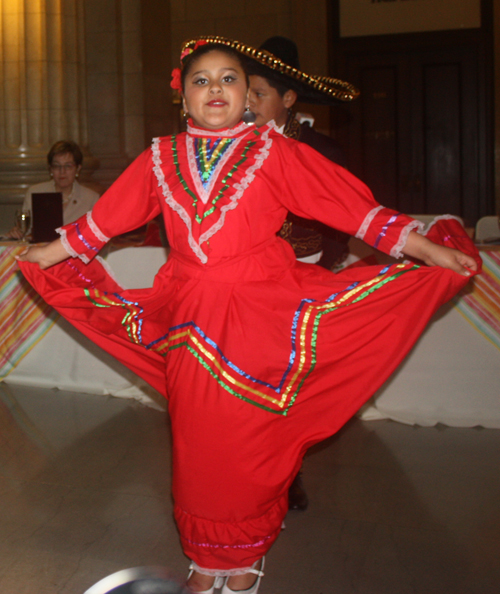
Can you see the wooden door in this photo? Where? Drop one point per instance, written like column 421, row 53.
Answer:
column 418, row 135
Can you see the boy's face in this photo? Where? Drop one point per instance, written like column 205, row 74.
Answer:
column 267, row 103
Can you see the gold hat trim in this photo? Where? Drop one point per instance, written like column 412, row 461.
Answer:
column 332, row 87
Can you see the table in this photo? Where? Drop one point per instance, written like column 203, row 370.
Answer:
column 24, row 317
column 67, row 360
column 452, row 375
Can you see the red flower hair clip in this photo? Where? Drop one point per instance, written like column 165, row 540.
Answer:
column 176, row 82
column 190, row 50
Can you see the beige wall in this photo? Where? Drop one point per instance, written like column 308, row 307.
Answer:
column 129, row 61
column 114, row 84
column 129, row 48
column 42, row 91
column 247, row 21
column 365, row 17
column 132, row 45
column 112, row 98
column 252, row 22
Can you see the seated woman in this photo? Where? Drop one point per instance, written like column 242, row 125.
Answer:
column 65, row 162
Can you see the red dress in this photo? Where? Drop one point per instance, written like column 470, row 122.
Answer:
column 260, row 356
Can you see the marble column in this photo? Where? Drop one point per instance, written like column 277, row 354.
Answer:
column 42, row 89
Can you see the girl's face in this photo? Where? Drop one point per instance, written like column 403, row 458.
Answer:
column 215, row 91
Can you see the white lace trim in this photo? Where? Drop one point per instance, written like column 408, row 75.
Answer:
column 274, row 126
column 174, row 205
column 367, row 222
column 204, row 194
column 403, row 237
column 241, row 187
column 109, row 270
column 225, row 572
column 445, row 217
column 421, row 229
column 67, row 246
column 229, row 133
column 261, row 156
column 95, row 229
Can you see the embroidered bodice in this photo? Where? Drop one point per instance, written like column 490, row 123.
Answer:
column 224, row 193
column 212, row 172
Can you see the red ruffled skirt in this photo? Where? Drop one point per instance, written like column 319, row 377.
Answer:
column 260, row 359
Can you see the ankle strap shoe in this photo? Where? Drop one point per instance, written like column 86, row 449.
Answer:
column 218, row 582
column 253, row 589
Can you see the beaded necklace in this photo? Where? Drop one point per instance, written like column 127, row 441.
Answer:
column 225, row 181
column 208, row 152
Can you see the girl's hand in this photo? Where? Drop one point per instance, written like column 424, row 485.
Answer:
column 34, row 254
column 455, row 260
column 44, row 255
column 418, row 246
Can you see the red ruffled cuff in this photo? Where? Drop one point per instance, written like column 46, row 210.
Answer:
column 83, row 239
column 387, row 230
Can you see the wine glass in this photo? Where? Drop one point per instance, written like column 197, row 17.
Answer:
column 23, row 221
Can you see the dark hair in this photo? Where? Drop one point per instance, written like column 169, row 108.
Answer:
column 274, row 79
column 278, row 86
column 193, row 57
column 61, row 147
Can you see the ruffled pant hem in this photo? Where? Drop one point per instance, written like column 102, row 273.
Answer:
column 227, row 548
column 220, row 572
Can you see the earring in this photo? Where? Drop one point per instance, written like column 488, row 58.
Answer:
column 248, row 116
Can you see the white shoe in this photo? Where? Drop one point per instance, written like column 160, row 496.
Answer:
column 216, row 585
column 253, row 589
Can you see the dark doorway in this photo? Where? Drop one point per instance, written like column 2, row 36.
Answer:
column 420, row 135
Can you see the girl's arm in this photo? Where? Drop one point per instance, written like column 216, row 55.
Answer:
column 318, row 189
column 418, row 246
column 45, row 255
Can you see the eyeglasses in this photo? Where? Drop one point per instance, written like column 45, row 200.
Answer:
column 65, row 167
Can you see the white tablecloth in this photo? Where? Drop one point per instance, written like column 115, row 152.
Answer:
column 68, row 360
column 452, row 376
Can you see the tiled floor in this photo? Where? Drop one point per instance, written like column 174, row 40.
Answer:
column 85, row 492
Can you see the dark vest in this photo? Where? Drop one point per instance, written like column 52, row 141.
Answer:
column 310, row 237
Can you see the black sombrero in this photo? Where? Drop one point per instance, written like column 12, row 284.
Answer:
column 265, row 62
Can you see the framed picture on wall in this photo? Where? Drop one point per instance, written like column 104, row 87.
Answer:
column 383, row 17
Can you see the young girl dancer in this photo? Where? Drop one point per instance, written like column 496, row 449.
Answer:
column 260, row 356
